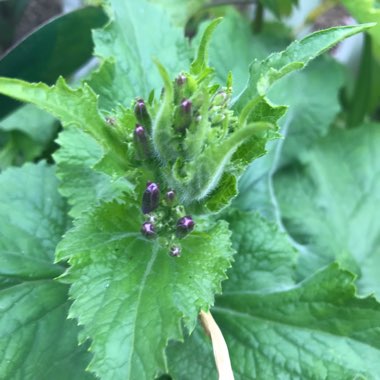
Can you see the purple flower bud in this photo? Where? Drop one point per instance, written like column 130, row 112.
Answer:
column 175, row 251
column 186, row 106
column 148, row 230
column 141, row 113
column 150, row 198
column 181, row 80
column 184, row 226
column 170, row 196
column 141, row 142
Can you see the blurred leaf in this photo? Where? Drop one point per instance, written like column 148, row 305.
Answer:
column 280, row 7
column 59, row 47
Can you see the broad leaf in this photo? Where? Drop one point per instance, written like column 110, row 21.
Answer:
column 36, row 339
column 130, row 295
column 315, row 330
column 138, row 32
column 329, row 203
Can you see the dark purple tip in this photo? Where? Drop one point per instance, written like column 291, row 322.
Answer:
column 151, row 198
column 170, row 195
column 140, row 130
column 148, row 230
column 140, row 108
column 175, row 251
column 181, row 80
column 186, row 106
column 184, row 226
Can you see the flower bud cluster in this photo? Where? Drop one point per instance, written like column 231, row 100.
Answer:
column 164, row 218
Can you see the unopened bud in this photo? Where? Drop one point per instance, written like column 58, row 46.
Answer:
column 182, row 118
column 170, row 196
column 175, row 251
column 142, row 114
column 181, row 80
column 220, row 98
column 184, row 226
column 148, row 230
column 151, row 198
column 141, row 142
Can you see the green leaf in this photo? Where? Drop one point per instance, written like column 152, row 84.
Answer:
column 329, row 201
column 366, row 11
column 316, row 330
column 130, row 295
column 280, row 7
column 36, row 339
column 138, row 32
column 265, row 259
column 180, row 10
column 233, row 38
column 83, row 186
column 37, row 124
column 60, row 47
column 72, row 107
column 303, row 124
column 263, row 74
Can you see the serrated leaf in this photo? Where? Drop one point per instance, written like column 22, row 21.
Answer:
column 130, row 294
column 36, row 339
column 302, row 125
column 131, row 38
column 263, row 74
column 331, row 208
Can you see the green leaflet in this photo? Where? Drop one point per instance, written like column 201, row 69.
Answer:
column 36, row 339
column 130, row 294
column 303, row 124
column 137, row 33
column 331, row 206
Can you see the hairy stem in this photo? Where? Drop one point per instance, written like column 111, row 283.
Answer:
column 221, row 354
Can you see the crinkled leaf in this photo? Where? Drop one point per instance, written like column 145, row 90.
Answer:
column 329, row 203
column 302, row 125
column 263, row 74
column 36, row 339
column 318, row 329
column 130, row 295
column 264, row 260
column 138, row 31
